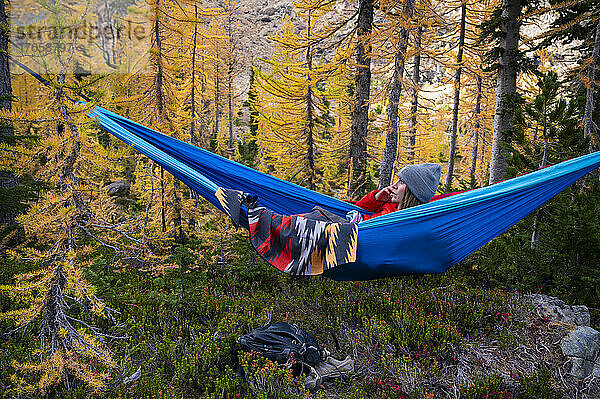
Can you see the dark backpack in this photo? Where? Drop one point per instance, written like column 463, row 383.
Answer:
column 278, row 341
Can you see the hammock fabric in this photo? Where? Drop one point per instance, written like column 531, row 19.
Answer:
column 429, row 238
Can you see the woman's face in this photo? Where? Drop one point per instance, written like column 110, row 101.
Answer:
column 397, row 192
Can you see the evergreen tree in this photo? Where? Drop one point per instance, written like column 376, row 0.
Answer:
column 590, row 128
column 248, row 147
column 552, row 131
column 577, row 27
column 556, row 249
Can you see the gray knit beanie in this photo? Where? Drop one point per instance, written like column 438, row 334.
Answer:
column 422, row 180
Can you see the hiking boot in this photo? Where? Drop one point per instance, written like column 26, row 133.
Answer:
column 334, row 368
column 328, row 369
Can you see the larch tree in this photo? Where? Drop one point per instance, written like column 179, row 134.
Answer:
column 219, row 63
column 194, row 78
column 65, row 223
column 478, row 124
column 195, row 60
column 7, row 179
column 214, row 71
column 477, row 85
column 414, row 105
column 350, row 38
column 470, row 90
column 476, row 130
column 248, row 147
column 416, row 135
column 429, row 40
column 231, row 64
column 456, row 99
column 358, row 176
column 188, row 37
column 336, row 158
column 292, row 105
column 71, row 228
column 159, row 103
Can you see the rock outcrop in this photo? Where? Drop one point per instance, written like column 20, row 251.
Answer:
column 556, row 310
column 582, row 344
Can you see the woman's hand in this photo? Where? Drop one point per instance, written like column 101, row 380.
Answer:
column 384, row 195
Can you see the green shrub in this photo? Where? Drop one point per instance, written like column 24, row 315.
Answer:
column 537, row 386
column 489, row 387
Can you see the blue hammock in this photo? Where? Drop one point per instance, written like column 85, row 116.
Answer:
column 429, row 238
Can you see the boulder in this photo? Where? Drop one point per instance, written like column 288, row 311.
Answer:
column 582, row 342
column 582, row 346
column 269, row 11
column 556, row 310
column 581, row 368
column 119, row 188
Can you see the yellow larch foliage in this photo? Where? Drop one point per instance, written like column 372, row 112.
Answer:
column 300, row 108
column 65, row 223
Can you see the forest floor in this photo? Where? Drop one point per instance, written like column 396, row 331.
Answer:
column 409, row 337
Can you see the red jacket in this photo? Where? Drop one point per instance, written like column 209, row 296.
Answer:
column 369, row 203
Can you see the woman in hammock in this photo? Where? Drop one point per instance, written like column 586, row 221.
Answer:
column 416, row 185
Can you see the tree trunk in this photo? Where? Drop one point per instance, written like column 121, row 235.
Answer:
column 360, row 113
column 391, row 138
column 205, row 115
column 414, row 107
column 5, row 82
column 217, row 109
column 163, row 204
column 476, row 132
column 230, row 107
column 160, row 104
column 230, row 82
column 310, row 119
column 159, row 77
column 535, row 235
column 193, row 138
column 589, row 128
column 106, row 31
column 453, row 133
column 7, row 179
column 178, row 234
column 506, row 87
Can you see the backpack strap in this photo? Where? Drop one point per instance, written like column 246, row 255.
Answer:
column 335, row 340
